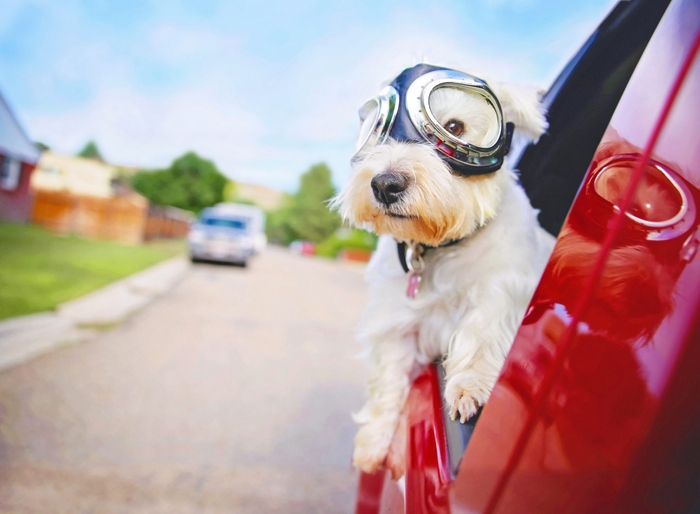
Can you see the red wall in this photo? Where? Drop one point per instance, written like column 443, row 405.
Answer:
column 16, row 205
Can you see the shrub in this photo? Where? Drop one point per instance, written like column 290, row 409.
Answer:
column 346, row 238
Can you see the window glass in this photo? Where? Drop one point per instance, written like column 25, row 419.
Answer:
column 235, row 223
column 9, row 173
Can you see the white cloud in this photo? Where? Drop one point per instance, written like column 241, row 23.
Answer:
column 176, row 44
column 133, row 128
column 180, row 84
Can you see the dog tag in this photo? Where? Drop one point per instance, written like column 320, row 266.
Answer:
column 413, row 284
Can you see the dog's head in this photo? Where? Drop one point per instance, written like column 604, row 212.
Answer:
column 408, row 189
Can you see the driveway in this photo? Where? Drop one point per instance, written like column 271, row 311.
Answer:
column 232, row 393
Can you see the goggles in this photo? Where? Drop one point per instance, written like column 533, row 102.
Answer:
column 407, row 110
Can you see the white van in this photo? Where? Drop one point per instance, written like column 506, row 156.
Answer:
column 228, row 232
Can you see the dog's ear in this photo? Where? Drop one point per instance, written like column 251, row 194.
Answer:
column 523, row 107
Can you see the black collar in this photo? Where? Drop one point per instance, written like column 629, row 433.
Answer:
column 401, row 247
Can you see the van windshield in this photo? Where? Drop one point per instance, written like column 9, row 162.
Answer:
column 234, row 223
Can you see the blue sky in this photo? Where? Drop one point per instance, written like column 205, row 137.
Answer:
column 265, row 89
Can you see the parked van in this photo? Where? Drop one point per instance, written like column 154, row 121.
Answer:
column 228, row 232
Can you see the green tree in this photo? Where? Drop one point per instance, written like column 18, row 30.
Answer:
column 90, row 151
column 190, row 183
column 230, row 191
column 277, row 225
column 305, row 214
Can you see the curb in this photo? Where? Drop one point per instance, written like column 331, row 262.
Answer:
column 115, row 302
column 79, row 320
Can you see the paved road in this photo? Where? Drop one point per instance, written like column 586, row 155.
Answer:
column 232, row 393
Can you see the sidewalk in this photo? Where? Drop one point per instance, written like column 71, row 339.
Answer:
column 84, row 318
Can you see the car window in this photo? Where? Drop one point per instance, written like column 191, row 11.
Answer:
column 580, row 104
column 234, row 223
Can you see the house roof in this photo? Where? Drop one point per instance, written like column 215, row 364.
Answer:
column 13, row 140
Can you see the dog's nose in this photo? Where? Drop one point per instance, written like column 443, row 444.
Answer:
column 388, row 186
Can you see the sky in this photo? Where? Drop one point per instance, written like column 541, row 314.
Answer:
column 264, row 89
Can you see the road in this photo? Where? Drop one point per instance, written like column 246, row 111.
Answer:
column 231, row 393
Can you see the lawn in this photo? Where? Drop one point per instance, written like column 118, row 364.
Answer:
column 39, row 270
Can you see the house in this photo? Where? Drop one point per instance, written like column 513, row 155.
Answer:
column 18, row 157
column 74, row 175
column 78, row 195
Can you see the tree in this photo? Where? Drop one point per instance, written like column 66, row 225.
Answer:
column 305, row 214
column 190, row 183
column 231, row 191
column 90, row 151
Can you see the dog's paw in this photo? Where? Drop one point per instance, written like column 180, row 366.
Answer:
column 372, row 445
column 396, row 458
column 369, row 457
column 464, row 396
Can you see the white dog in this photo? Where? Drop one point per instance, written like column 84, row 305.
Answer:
column 474, row 243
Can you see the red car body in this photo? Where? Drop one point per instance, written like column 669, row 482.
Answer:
column 596, row 409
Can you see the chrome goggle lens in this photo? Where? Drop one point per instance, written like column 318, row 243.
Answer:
column 455, row 112
column 376, row 118
column 660, row 200
column 435, row 101
column 369, row 113
column 447, row 102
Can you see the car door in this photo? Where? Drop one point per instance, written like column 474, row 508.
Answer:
column 595, row 410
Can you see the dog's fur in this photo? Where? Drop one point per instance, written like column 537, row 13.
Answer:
column 473, row 294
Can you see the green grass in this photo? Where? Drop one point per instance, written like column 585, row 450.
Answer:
column 39, row 270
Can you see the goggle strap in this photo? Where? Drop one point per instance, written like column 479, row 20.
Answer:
column 510, row 127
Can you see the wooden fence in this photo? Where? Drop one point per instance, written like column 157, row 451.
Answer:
column 166, row 222
column 122, row 218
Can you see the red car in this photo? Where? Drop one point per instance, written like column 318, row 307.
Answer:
column 597, row 407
